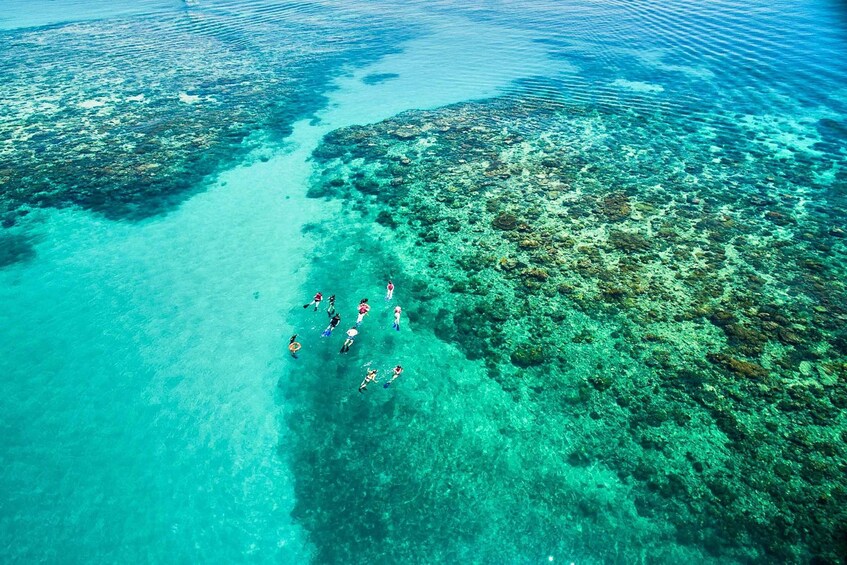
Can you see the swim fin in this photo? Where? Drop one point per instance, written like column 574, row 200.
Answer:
column 386, row 385
column 305, row 305
column 326, row 333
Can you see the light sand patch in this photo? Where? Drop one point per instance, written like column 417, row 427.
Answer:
column 638, row 86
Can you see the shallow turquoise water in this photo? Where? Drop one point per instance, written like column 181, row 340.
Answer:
column 150, row 411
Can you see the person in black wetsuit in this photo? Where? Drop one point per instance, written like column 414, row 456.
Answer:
column 332, row 325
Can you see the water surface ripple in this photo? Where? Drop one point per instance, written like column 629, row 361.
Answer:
column 617, row 234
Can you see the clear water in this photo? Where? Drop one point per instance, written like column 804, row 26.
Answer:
column 158, row 244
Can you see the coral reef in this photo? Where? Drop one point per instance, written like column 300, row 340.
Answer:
column 80, row 130
column 670, row 294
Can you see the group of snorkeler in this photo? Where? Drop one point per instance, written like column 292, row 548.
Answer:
column 371, row 378
column 350, row 335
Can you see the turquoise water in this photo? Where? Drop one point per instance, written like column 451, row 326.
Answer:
column 583, row 206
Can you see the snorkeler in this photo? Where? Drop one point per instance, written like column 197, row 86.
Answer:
column 390, row 294
column 316, row 300
column 396, row 324
column 351, row 335
column 364, row 308
column 293, row 346
column 332, row 324
column 397, row 371
column 330, row 310
column 369, row 378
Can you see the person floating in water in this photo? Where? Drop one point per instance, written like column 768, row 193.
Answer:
column 390, row 288
column 369, row 378
column 397, row 371
column 293, row 346
column 316, row 300
column 351, row 335
column 332, row 324
column 364, row 308
column 330, row 310
column 396, row 324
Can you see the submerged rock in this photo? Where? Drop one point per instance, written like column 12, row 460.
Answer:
column 539, row 275
column 15, row 248
column 505, row 221
column 528, row 355
column 615, row 206
column 384, row 218
column 629, row 242
column 737, row 366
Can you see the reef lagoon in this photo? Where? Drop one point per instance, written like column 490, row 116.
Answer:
column 618, row 235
